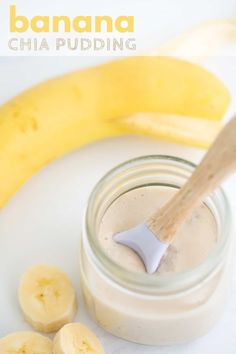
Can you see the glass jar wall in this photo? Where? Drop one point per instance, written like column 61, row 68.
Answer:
column 165, row 309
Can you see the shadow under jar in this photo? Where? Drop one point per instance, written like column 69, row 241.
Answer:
column 157, row 310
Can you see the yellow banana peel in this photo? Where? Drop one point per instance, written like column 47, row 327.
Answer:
column 62, row 114
column 179, row 129
column 201, row 42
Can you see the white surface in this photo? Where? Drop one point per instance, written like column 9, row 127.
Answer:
column 155, row 21
column 42, row 221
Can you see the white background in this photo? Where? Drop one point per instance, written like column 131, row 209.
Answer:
column 155, row 20
column 42, row 222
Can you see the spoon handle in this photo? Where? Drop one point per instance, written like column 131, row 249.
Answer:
column 219, row 162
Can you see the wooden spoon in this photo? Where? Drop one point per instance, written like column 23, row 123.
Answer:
column 151, row 239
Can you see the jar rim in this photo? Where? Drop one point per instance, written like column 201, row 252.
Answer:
column 167, row 282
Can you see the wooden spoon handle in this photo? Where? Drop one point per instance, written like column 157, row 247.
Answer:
column 219, row 162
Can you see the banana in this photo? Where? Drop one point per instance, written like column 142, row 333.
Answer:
column 180, row 129
column 47, row 298
column 75, row 338
column 25, row 343
column 201, row 42
column 65, row 113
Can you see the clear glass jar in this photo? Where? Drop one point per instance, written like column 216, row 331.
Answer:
column 163, row 310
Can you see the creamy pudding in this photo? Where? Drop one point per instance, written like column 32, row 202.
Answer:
column 187, row 295
column 192, row 243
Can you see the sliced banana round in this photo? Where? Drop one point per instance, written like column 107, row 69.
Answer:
column 75, row 338
column 25, row 343
column 47, row 298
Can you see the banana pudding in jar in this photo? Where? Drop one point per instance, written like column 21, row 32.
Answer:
column 186, row 296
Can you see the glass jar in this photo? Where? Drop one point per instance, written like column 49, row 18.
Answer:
column 157, row 310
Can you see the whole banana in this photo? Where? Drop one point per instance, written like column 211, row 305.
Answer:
column 62, row 114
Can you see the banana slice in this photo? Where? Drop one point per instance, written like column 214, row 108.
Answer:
column 75, row 338
column 25, row 343
column 47, row 298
